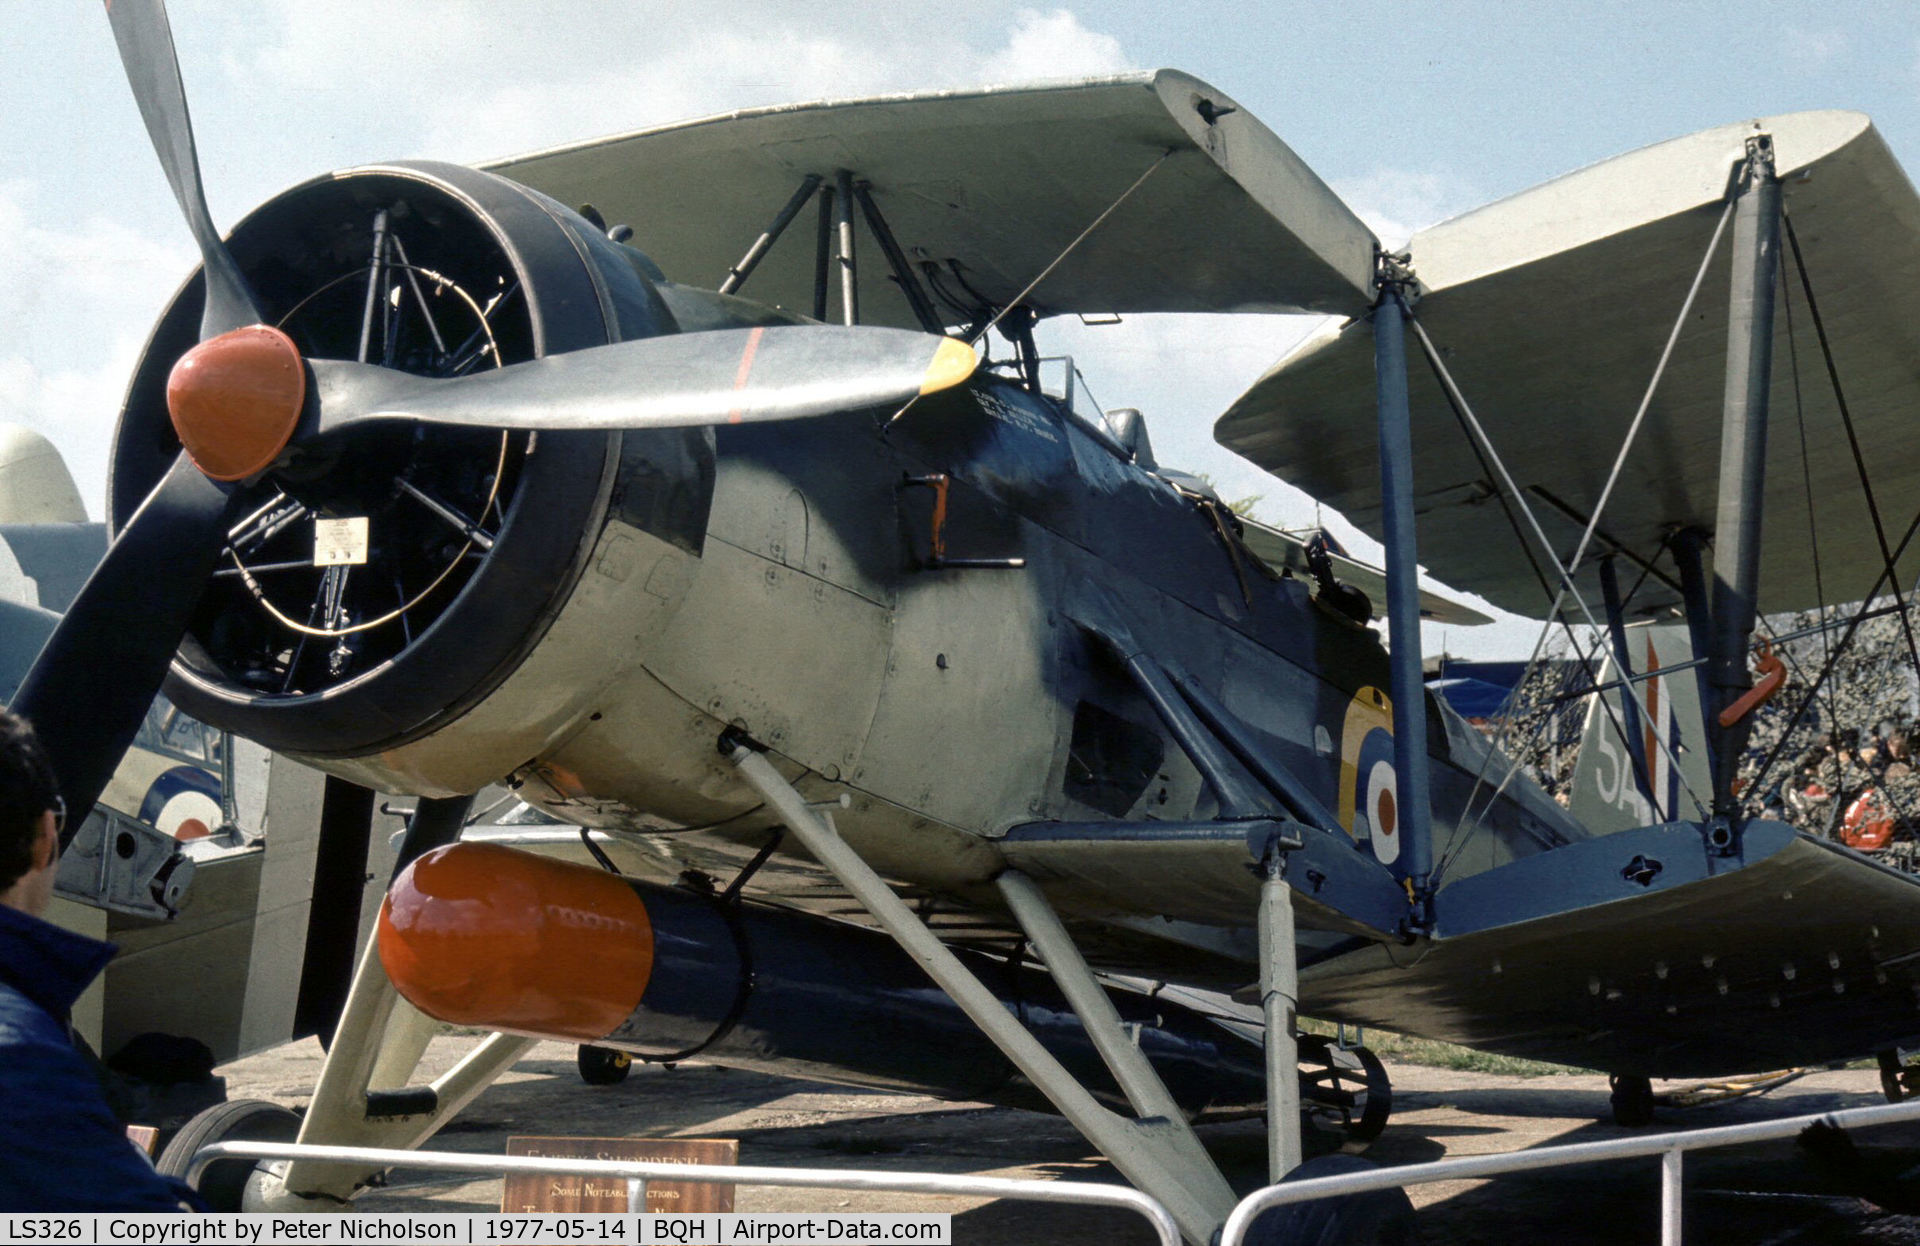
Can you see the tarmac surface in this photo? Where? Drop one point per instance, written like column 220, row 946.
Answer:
column 1767, row 1195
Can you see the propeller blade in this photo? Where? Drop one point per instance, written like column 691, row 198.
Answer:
column 724, row 376
column 153, row 71
column 90, row 687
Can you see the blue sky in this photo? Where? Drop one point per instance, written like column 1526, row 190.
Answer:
column 1412, row 111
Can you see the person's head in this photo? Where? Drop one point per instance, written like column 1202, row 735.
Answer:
column 29, row 823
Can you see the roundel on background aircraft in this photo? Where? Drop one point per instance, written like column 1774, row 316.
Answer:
column 1369, row 790
column 183, row 802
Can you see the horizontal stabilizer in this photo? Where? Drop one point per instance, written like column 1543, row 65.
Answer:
column 1551, row 309
column 44, row 564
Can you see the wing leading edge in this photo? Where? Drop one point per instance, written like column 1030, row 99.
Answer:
column 1000, row 181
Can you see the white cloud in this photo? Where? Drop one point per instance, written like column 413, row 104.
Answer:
column 467, row 80
column 1054, row 45
column 281, row 91
column 80, row 297
column 1395, row 202
column 719, row 73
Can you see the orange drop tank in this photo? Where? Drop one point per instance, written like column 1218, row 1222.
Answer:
column 481, row 935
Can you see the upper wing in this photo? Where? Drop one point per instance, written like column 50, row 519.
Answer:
column 1551, row 309
column 1001, row 181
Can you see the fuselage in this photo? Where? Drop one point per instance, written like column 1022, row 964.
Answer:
column 947, row 704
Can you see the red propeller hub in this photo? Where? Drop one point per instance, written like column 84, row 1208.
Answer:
column 235, row 400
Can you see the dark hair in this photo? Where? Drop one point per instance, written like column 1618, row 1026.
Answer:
column 27, row 790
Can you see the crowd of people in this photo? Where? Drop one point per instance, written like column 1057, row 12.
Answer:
column 1836, row 761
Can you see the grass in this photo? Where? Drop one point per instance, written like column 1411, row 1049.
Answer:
column 1403, row 1049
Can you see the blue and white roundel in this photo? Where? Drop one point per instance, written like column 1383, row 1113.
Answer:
column 183, row 802
column 1375, row 796
column 1383, row 812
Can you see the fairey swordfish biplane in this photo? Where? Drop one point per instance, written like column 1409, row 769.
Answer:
column 860, row 659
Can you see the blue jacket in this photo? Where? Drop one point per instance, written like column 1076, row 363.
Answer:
column 60, row 1148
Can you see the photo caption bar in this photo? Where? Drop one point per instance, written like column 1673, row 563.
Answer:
column 649, row 1229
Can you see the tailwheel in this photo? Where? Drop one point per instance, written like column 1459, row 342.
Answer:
column 224, row 1183
column 1632, row 1099
column 603, row 1066
column 1345, row 1096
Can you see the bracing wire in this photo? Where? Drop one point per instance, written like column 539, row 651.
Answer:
column 1567, row 570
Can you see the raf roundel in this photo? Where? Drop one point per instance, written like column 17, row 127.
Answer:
column 1383, row 812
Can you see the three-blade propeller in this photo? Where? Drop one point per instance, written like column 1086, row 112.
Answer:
column 241, row 401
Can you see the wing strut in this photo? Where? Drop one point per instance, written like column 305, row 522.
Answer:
column 1629, row 704
column 1411, row 783
column 1743, row 461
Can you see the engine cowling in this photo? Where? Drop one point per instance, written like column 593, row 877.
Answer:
column 462, row 548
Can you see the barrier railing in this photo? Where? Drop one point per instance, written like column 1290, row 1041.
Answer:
column 1670, row 1147
column 636, row 1173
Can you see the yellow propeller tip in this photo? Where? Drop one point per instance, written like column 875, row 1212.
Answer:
column 953, row 362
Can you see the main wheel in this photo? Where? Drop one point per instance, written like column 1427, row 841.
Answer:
column 1345, row 1096
column 603, row 1066
column 224, row 1182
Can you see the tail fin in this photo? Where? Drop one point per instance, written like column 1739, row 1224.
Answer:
column 1606, row 793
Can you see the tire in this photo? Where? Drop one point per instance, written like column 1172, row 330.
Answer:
column 225, row 1181
column 603, row 1066
column 1632, row 1100
column 1377, row 1218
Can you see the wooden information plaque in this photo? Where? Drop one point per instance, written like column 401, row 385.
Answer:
column 557, row 1193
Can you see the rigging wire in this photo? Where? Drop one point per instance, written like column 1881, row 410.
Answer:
column 1568, row 585
column 1046, row 272
column 1813, row 529
column 1853, row 626
column 1889, row 559
column 1454, row 843
column 1567, row 570
column 978, row 334
column 1853, row 438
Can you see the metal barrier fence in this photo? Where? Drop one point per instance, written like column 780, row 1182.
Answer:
column 636, row 1173
column 1668, row 1146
